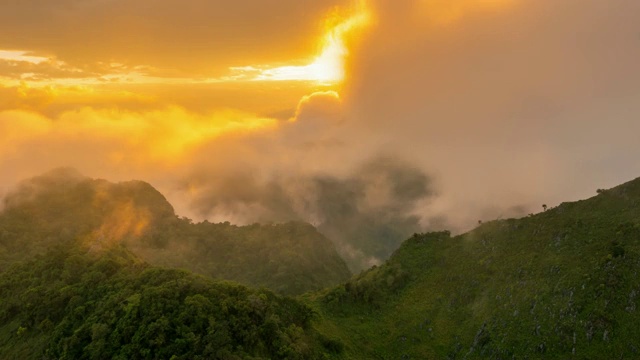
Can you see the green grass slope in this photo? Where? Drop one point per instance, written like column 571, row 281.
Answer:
column 557, row 285
column 63, row 206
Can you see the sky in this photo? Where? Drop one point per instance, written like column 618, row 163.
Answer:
column 370, row 119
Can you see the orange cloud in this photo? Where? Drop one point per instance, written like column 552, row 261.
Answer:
column 324, row 104
column 502, row 100
column 188, row 39
column 159, row 136
column 17, row 127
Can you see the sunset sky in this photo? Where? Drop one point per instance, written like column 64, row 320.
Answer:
column 498, row 105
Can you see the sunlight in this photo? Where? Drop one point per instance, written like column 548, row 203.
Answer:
column 328, row 66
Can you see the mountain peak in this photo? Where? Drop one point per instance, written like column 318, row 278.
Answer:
column 64, row 207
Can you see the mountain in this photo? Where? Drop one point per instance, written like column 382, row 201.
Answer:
column 79, row 303
column 556, row 285
column 75, row 284
column 65, row 207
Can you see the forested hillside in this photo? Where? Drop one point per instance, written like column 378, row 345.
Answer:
column 77, row 303
column 63, row 206
column 560, row 284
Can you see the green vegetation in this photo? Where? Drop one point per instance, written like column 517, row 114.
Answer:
column 76, row 304
column 63, row 206
column 560, row 284
column 289, row 258
column 556, row 285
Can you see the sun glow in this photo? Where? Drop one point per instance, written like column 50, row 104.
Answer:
column 329, row 65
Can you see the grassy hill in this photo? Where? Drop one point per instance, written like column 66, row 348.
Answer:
column 556, row 285
column 64, row 207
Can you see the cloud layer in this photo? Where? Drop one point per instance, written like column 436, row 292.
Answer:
column 189, row 38
column 522, row 103
column 452, row 111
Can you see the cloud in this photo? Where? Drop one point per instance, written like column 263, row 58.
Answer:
column 47, row 69
column 452, row 112
column 17, row 127
column 316, row 168
column 193, row 37
column 111, row 142
column 367, row 213
column 324, row 105
column 236, row 166
column 521, row 104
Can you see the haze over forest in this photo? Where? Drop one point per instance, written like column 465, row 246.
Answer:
column 370, row 120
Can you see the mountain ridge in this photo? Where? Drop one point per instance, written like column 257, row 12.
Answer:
column 63, row 205
column 561, row 283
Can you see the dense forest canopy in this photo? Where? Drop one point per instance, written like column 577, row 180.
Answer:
column 556, row 284
column 75, row 303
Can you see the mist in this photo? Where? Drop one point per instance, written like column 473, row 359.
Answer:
column 450, row 114
column 366, row 213
column 525, row 103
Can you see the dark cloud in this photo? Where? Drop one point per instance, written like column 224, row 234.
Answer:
column 367, row 214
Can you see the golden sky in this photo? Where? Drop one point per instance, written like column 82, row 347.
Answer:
column 504, row 104
column 219, row 66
